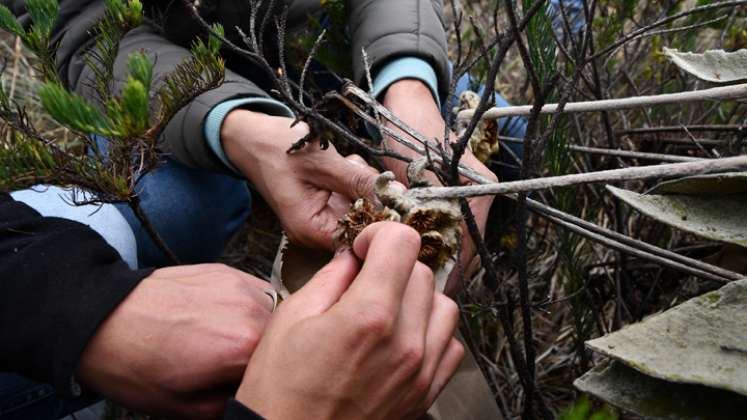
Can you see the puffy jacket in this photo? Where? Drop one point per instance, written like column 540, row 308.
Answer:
column 386, row 29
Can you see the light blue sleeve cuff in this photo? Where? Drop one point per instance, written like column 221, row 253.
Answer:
column 406, row 68
column 214, row 121
column 399, row 69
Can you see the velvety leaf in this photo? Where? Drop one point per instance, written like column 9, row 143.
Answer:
column 725, row 183
column 701, row 341
column 715, row 66
column 719, row 217
column 653, row 398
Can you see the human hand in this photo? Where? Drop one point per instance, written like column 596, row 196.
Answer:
column 412, row 101
column 310, row 189
column 178, row 345
column 370, row 342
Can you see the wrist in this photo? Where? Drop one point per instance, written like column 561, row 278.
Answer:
column 407, row 91
column 241, row 137
column 232, row 127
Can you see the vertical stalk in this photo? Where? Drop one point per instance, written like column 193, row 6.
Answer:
column 134, row 204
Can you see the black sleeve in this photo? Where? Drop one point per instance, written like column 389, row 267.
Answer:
column 238, row 411
column 59, row 280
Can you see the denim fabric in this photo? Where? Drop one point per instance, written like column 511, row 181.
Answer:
column 196, row 212
column 22, row 399
column 574, row 12
column 106, row 220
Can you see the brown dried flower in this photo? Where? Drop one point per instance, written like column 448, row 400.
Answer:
column 437, row 220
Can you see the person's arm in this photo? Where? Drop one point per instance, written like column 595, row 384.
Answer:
column 391, row 29
column 74, row 315
column 59, row 280
column 368, row 337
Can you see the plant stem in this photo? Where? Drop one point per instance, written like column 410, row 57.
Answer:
column 717, row 93
column 699, row 167
column 134, row 204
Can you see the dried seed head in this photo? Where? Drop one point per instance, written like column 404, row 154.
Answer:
column 437, row 221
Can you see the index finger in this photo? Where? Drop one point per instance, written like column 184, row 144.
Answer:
column 389, row 252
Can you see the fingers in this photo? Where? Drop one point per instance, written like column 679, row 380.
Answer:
column 415, row 313
column 446, row 369
column 443, row 322
column 350, row 177
column 389, row 251
column 326, row 287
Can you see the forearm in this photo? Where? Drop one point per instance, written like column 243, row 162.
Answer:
column 59, row 280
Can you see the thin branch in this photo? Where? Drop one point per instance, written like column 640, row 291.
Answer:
column 718, row 93
column 670, row 170
column 632, row 154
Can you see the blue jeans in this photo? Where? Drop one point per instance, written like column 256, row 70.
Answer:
column 196, row 212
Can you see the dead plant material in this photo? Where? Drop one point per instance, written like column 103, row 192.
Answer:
column 437, row 220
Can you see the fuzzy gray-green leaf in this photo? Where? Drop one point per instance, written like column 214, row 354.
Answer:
column 718, row 217
column 715, row 66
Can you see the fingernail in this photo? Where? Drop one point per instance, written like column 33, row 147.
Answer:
column 344, row 249
column 398, row 186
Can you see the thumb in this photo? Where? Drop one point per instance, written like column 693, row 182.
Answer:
column 351, row 177
column 327, row 285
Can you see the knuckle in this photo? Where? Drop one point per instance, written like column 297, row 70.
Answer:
column 245, row 342
column 458, row 350
column 424, row 274
column 451, row 307
column 421, row 387
column 490, row 175
column 361, row 184
column 410, row 355
column 376, row 323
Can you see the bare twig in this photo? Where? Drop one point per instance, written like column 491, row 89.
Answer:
column 613, row 175
column 713, row 94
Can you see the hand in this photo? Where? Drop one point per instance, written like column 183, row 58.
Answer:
column 412, row 101
column 178, row 345
column 358, row 343
column 309, row 189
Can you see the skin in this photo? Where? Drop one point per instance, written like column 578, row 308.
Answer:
column 370, row 340
column 183, row 337
column 178, row 345
column 412, row 101
column 311, row 189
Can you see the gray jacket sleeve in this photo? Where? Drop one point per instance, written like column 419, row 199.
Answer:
column 184, row 137
column 388, row 29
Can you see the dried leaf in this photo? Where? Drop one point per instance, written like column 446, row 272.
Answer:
column 715, row 66
column 718, row 217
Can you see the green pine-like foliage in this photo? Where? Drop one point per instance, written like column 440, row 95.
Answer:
column 132, row 118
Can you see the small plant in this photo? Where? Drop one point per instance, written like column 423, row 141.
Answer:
column 583, row 410
column 126, row 116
